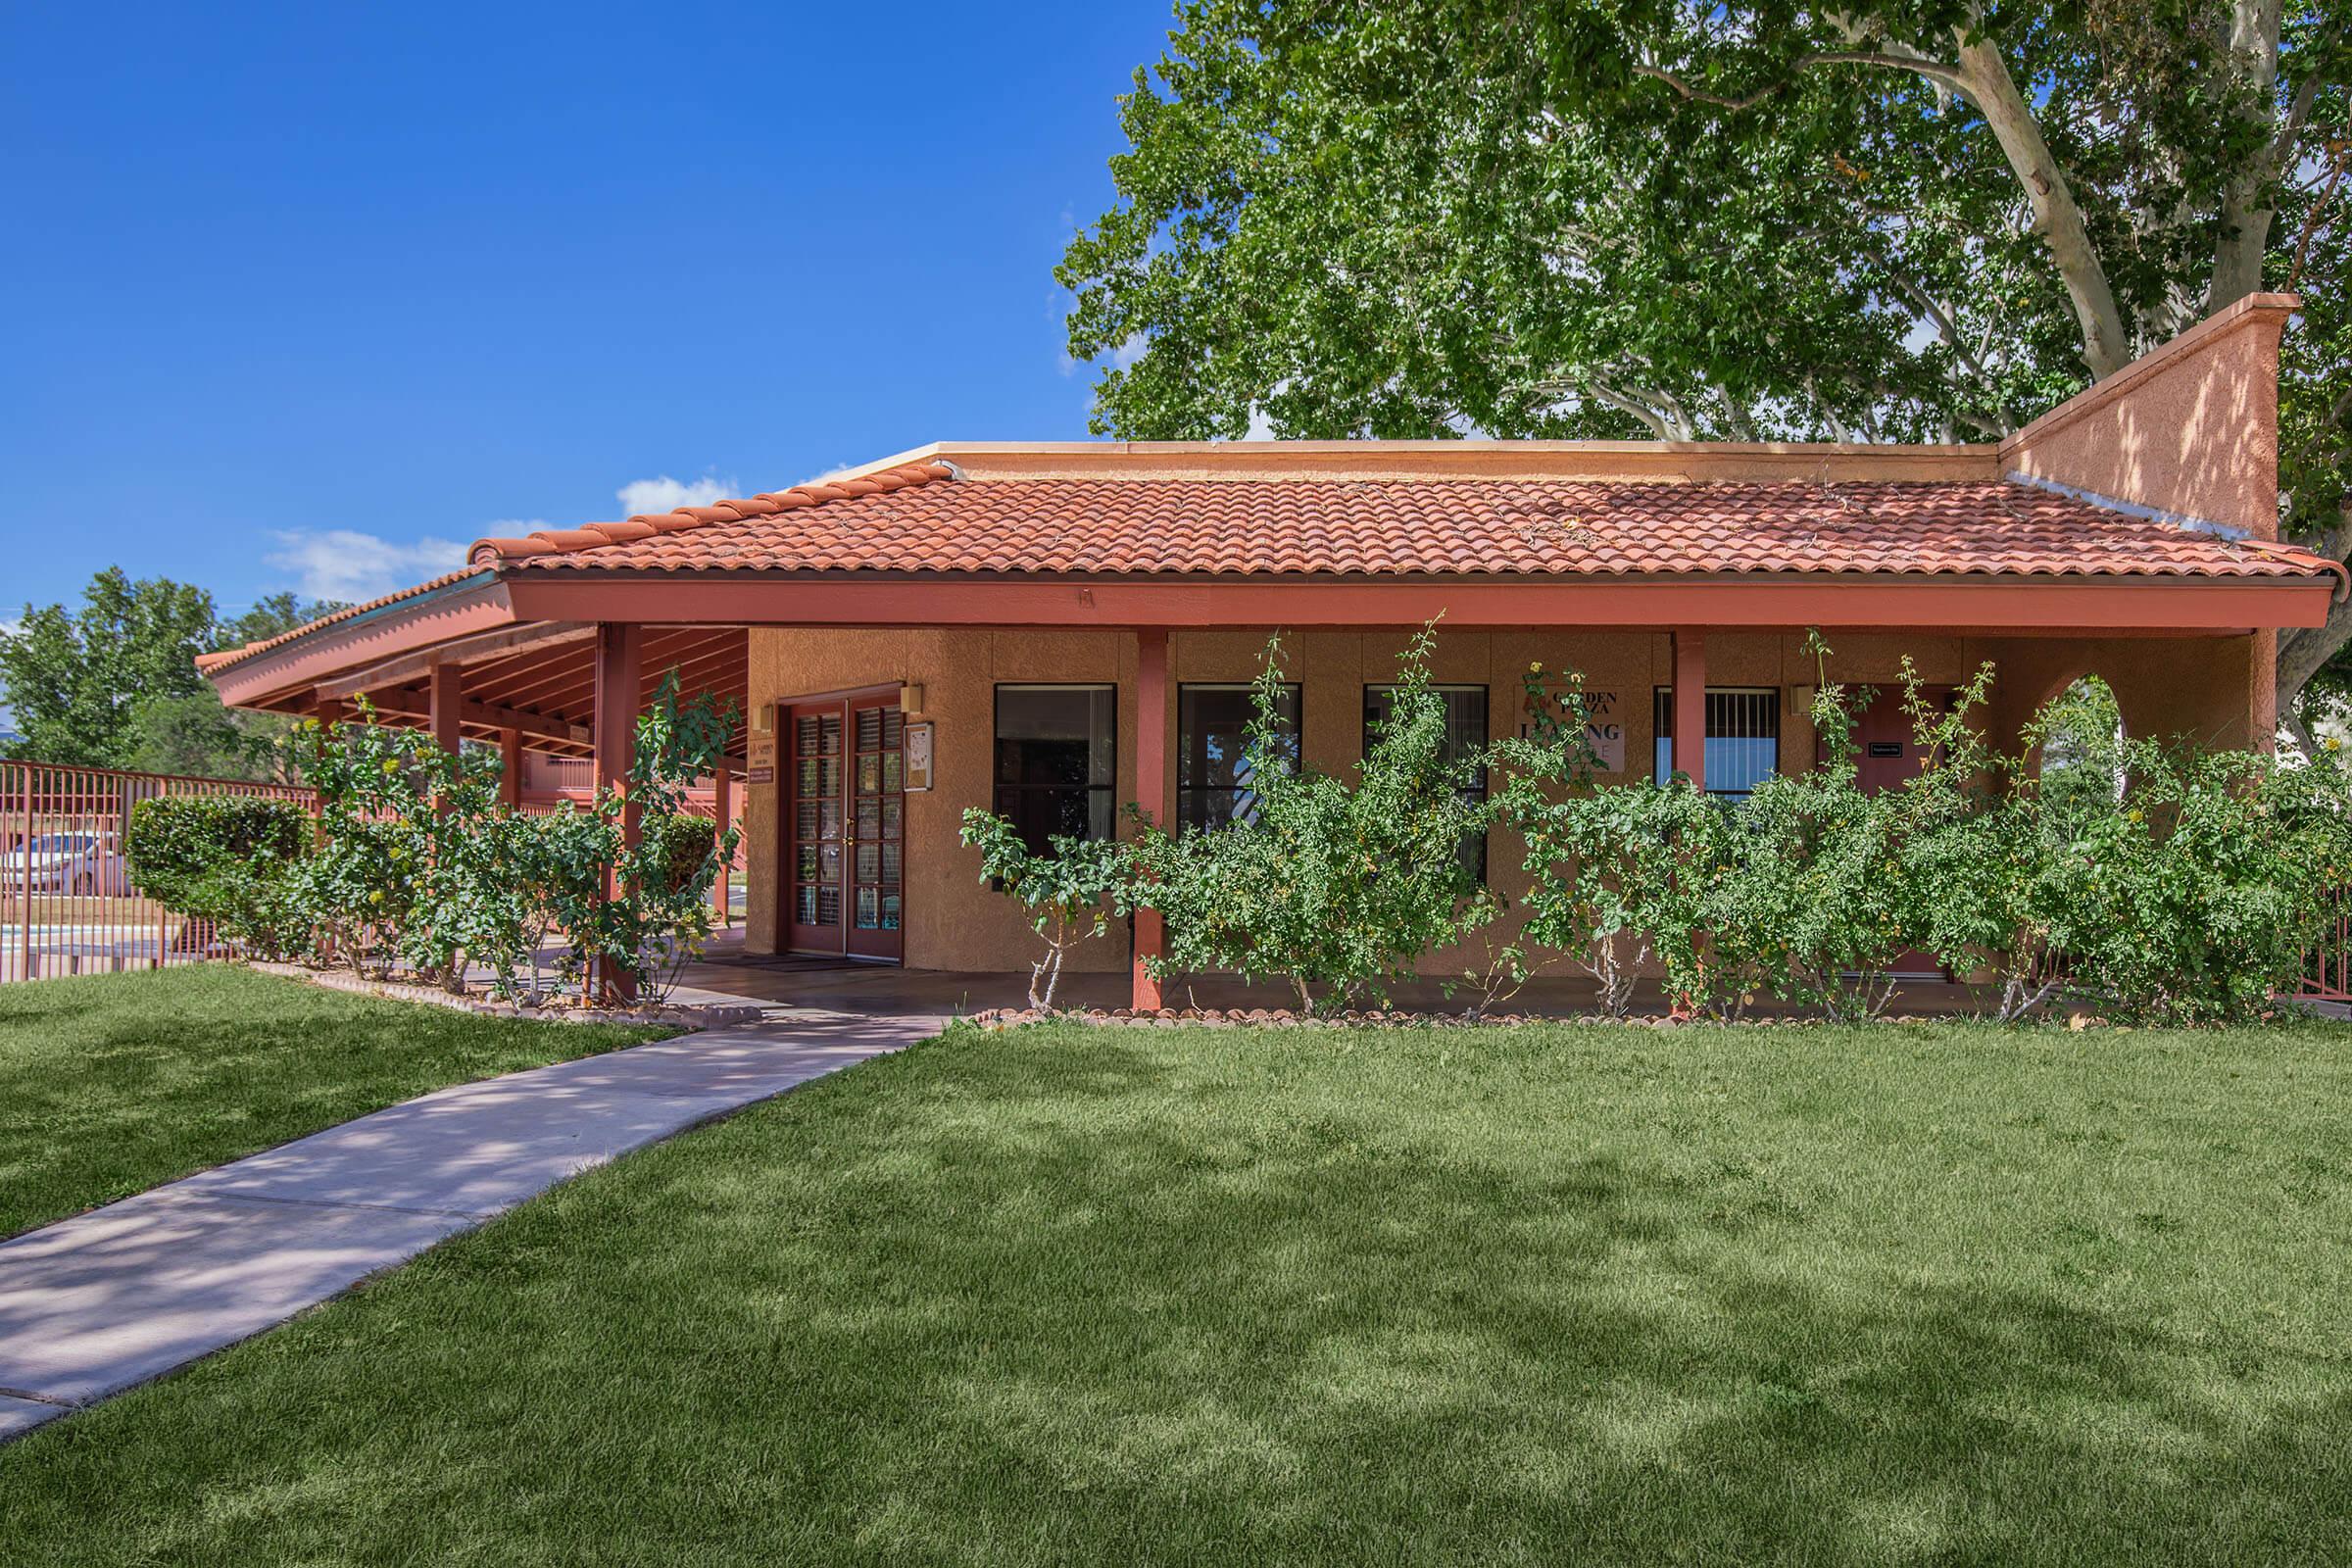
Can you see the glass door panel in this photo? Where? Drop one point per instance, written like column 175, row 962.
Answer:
column 815, row 848
column 876, row 861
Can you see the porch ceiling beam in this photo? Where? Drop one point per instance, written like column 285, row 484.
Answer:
column 567, row 671
column 2165, row 605
column 465, row 651
column 486, row 715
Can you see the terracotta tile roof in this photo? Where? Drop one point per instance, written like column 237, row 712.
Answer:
column 655, row 524
column 231, row 656
column 901, row 520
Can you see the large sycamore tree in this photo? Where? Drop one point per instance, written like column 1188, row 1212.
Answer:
column 1920, row 221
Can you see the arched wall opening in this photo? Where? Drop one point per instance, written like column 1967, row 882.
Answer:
column 2209, row 691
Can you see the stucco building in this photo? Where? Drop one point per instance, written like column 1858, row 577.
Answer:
column 1060, row 629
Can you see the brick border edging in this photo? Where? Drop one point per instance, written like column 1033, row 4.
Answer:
column 689, row 1016
column 1366, row 1018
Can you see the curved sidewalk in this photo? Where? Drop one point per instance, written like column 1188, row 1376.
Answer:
column 94, row 1305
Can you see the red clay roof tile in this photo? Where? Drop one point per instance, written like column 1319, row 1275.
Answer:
column 646, row 524
column 901, row 520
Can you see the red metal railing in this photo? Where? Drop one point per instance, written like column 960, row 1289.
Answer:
column 2328, row 973
column 67, row 901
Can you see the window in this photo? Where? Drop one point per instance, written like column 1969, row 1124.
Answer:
column 1057, row 758
column 1213, row 786
column 1743, row 737
column 1465, row 736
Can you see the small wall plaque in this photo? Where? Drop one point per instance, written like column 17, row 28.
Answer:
column 760, row 760
column 918, row 757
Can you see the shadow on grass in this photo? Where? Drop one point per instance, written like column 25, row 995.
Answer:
column 988, row 1304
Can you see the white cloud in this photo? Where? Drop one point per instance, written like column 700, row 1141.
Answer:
column 345, row 564
column 665, row 494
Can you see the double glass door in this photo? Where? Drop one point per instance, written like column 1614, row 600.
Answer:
column 845, row 816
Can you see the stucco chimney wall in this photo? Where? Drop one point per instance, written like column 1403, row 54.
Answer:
column 2190, row 430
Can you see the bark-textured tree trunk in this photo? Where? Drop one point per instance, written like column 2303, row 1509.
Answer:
column 2246, row 210
column 1984, row 77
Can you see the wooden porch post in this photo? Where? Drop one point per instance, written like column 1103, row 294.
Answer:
column 619, row 693
column 445, row 695
column 1150, row 792
column 509, row 777
column 722, row 808
column 1691, row 703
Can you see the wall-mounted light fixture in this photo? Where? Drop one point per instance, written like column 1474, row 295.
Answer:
column 911, row 698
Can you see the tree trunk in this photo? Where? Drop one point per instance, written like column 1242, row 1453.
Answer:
column 2303, row 652
column 2247, row 211
column 1985, row 76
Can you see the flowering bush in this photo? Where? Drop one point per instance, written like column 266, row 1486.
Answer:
column 420, row 867
column 2165, row 883
column 1069, row 891
column 1337, row 885
column 640, row 909
column 2158, row 882
column 2193, row 894
column 410, row 868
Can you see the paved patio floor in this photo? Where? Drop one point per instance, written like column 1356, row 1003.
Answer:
column 727, row 972
column 96, row 1304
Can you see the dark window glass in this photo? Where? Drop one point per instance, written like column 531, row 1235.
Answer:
column 1058, row 751
column 1214, row 787
column 1465, row 736
column 1744, row 738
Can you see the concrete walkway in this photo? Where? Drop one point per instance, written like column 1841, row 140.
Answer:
column 96, row 1304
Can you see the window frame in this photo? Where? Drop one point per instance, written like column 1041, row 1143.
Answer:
column 997, row 789
column 1186, row 793
column 1662, row 734
column 1474, row 847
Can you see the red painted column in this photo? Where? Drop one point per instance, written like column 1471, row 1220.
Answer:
column 1691, row 703
column 446, row 695
column 619, row 694
column 723, row 811
column 1151, row 790
column 509, row 776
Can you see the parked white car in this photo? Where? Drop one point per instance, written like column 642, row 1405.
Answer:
column 67, row 863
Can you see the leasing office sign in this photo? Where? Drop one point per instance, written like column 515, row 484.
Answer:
column 1604, row 722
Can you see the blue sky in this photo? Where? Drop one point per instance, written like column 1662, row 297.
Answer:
column 311, row 297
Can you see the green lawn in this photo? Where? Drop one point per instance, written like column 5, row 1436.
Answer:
column 110, row 1084
column 1920, row 1295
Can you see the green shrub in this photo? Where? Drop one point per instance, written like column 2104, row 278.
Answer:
column 420, row 866
column 681, row 845
column 2165, row 883
column 1069, row 891
column 407, row 867
column 661, row 914
column 1339, row 885
column 2195, row 895
column 229, row 860
column 1600, row 861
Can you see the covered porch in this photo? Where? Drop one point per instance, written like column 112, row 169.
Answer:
column 1057, row 631
column 860, row 898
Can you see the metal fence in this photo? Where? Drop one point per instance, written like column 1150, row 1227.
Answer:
column 66, row 903
column 2328, row 973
